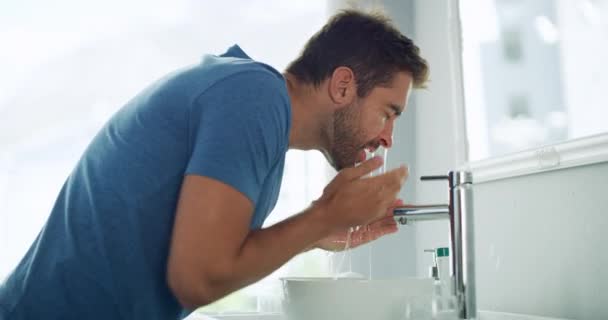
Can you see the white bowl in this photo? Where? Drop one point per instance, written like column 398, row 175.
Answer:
column 352, row 299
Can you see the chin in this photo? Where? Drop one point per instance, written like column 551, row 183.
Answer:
column 331, row 161
column 337, row 164
column 348, row 164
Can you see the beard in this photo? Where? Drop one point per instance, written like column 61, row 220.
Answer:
column 347, row 140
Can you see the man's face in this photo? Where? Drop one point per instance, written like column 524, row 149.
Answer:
column 368, row 122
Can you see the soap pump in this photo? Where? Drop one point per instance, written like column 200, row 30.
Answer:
column 440, row 271
column 433, row 270
column 442, row 261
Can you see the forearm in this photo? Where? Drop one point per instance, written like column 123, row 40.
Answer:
column 265, row 250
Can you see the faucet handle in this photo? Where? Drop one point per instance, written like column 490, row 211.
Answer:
column 454, row 178
column 431, row 178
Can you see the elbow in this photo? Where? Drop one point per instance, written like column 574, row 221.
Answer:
column 189, row 298
column 192, row 292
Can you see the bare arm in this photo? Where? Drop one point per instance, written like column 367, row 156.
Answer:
column 213, row 252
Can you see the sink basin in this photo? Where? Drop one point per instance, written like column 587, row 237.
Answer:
column 353, row 298
column 483, row 315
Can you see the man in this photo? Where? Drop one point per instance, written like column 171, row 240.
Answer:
column 163, row 212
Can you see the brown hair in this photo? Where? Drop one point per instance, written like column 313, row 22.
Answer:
column 367, row 43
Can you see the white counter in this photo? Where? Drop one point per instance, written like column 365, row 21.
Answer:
column 483, row 315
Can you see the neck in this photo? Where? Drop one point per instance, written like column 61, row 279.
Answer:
column 308, row 116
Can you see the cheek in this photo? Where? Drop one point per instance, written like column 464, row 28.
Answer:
column 372, row 126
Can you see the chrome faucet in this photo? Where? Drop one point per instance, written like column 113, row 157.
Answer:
column 459, row 211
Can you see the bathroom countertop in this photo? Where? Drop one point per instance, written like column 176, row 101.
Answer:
column 484, row 315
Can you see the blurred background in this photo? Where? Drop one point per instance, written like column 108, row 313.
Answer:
column 509, row 78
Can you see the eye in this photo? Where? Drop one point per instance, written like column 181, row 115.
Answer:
column 387, row 115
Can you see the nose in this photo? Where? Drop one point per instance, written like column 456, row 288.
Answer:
column 386, row 136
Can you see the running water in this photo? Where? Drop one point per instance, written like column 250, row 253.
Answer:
column 346, row 255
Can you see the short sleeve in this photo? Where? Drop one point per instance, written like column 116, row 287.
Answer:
column 242, row 132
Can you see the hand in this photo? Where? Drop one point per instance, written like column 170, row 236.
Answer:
column 362, row 235
column 350, row 201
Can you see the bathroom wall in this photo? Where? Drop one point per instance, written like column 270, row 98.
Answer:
column 540, row 238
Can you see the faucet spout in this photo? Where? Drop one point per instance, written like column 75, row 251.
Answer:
column 411, row 212
column 459, row 212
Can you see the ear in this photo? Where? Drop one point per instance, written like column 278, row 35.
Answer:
column 342, row 87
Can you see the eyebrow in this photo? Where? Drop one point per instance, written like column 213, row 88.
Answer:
column 396, row 109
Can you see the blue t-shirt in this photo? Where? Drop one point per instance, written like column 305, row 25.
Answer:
column 102, row 254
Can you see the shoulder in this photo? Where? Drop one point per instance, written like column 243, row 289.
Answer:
column 249, row 74
column 248, row 95
column 218, row 68
column 249, row 87
column 213, row 71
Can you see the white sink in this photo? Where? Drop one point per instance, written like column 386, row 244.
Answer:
column 354, row 298
column 237, row 316
column 483, row 315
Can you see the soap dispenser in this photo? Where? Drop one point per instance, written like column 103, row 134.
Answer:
column 442, row 260
column 443, row 299
column 433, row 270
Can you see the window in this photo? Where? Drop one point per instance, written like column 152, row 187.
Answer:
column 534, row 73
column 68, row 65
